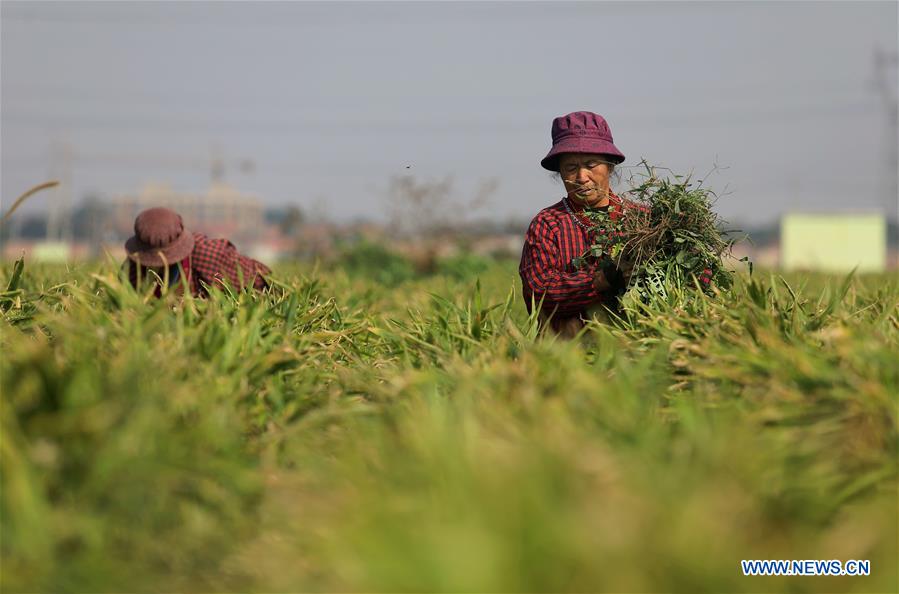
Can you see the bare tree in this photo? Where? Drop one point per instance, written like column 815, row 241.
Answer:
column 429, row 209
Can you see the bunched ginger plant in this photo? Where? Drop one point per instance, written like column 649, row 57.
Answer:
column 668, row 233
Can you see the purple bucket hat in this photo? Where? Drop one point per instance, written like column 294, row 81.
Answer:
column 581, row 132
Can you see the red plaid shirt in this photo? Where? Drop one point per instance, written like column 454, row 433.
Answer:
column 213, row 261
column 552, row 241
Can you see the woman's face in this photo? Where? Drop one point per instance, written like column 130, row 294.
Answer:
column 586, row 178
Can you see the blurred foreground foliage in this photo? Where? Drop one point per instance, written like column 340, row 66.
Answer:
column 343, row 434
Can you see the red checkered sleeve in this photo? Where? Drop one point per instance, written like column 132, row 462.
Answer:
column 214, row 261
column 546, row 268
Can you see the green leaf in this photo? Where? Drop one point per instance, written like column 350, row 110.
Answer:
column 16, row 275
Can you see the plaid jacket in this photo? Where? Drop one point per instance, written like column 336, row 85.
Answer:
column 552, row 241
column 213, row 261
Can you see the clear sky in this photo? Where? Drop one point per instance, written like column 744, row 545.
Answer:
column 329, row 100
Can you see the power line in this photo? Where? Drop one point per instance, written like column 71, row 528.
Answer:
column 167, row 125
column 291, row 15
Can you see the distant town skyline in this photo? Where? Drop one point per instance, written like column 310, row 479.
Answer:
column 318, row 105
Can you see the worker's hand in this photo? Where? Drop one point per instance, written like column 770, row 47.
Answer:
column 613, row 276
column 600, row 281
column 626, row 267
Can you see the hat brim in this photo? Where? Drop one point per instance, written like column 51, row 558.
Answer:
column 147, row 255
column 580, row 144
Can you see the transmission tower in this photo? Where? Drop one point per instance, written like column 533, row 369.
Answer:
column 885, row 81
column 59, row 219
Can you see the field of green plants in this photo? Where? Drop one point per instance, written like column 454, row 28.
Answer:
column 361, row 427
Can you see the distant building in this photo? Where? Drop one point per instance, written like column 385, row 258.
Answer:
column 222, row 211
column 834, row 242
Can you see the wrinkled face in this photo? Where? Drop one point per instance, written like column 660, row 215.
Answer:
column 586, row 178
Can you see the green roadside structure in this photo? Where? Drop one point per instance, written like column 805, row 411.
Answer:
column 833, row 242
column 55, row 252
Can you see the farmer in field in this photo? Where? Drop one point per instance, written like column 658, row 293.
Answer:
column 162, row 245
column 584, row 157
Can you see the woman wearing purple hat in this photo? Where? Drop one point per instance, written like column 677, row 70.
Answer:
column 163, row 245
column 584, row 156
